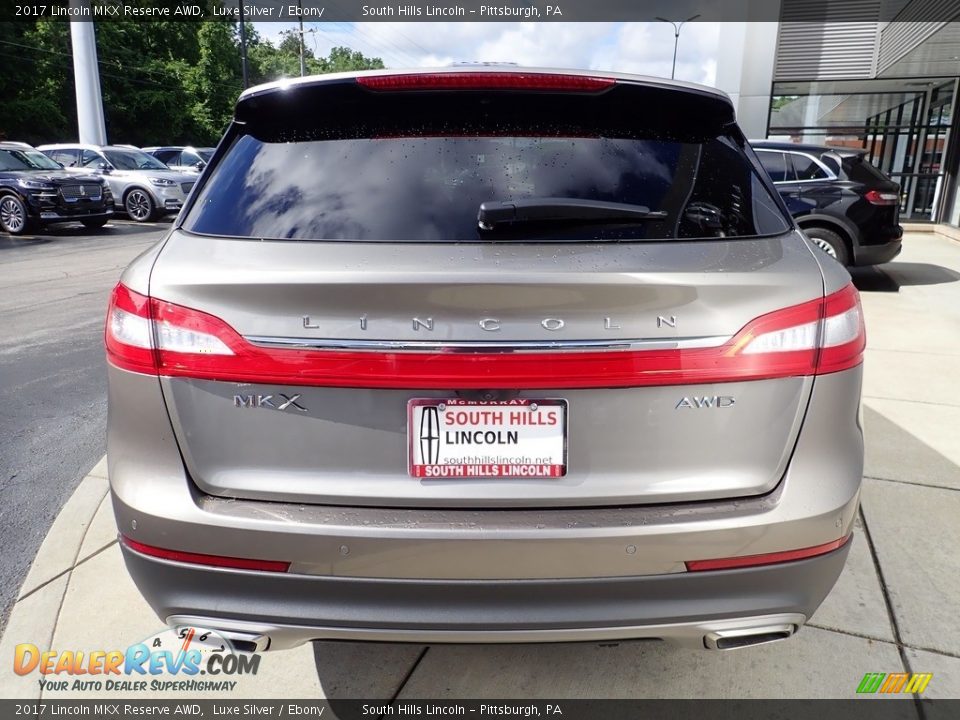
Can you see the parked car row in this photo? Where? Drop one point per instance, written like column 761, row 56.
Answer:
column 76, row 182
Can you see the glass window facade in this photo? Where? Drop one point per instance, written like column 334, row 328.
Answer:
column 905, row 125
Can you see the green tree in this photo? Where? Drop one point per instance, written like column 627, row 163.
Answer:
column 342, row 59
column 213, row 84
column 162, row 82
column 37, row 82
column 142, row 69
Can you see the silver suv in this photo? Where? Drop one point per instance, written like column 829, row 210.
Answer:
column 142, row 185
column 485, row 356
column 181, row 157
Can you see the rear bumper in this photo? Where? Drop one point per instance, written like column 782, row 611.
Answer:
column 508, row 575
column 878, row 254
column 288, row 609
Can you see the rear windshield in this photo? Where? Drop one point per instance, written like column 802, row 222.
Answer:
column 859, row 170
column 427, row 184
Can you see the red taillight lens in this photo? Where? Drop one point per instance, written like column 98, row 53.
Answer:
column 877, row 197
column 844, row 336
column 158, row 337
column 543, row 82
column 148, row 335
column 129, row 333
column 766, row 558
column 827, row 335
column 203, row 559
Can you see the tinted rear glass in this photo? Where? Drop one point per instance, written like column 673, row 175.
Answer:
column 859, row 170
column 425, row 183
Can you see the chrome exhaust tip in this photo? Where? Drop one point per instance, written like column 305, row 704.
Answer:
column 242, row 638
column 246, row 642
column 748, row 637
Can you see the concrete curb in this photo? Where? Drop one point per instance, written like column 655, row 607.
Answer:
column 78, row 596
column 35, row 615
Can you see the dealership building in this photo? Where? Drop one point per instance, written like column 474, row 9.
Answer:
column 875, row 74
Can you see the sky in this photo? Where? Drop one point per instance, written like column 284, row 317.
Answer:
column 643, row 48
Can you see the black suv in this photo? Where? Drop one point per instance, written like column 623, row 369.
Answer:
column 845, row 205
column 36, row 191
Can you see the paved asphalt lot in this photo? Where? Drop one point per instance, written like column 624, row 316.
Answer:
column 53, row 406
column 894, row 608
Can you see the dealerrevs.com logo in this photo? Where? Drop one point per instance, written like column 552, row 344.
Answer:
column 184, row 659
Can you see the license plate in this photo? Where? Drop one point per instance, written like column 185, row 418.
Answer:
column 467, row 439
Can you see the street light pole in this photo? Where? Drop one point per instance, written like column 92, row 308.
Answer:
column 676, row 39
column 303, row 61
column 86, row 74
column 243, row 45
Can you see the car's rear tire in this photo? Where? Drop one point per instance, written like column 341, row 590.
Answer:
column 139, row 205
column 830, row 242
column 94, row 223
column 14, row 218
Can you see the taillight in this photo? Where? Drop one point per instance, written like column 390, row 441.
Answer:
column 129, row 332
column 877, row 197
column 149, row 335
column 844, row 336
column 823, row 335
column 161, row 338
column 542, row 82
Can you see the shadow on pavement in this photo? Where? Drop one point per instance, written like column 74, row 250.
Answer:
column 893, row 276
column 58, row 233
column 894, row 453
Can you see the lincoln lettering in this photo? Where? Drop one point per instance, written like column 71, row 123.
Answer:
column 482, row 437
column 492, row 324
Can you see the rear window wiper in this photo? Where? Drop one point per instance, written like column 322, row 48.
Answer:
column 496, row 212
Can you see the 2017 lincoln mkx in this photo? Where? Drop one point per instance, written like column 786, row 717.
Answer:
column 485, row 355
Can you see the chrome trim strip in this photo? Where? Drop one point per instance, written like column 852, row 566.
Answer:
column 683, row 343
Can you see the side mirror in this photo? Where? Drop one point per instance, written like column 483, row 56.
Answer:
column 104, row 168
column 199, row 165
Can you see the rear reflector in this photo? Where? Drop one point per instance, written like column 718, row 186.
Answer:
column 543, row 82
column 876, row 197
column 160, row 338
column 766, row 558
column 201, row 559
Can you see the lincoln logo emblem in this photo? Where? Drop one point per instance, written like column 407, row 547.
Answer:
column 430, row 436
